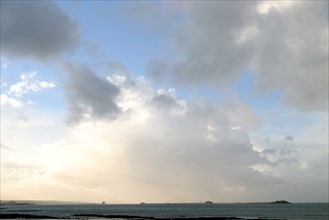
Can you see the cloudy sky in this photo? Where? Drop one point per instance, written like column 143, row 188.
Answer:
column 164, row 101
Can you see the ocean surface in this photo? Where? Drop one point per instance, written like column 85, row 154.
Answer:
column 301, row 211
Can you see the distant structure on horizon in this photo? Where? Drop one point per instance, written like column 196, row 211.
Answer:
column 280, row 202
column 103, row 203
column 208, row 202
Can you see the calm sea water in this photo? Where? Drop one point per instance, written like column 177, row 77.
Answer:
column 301, row 211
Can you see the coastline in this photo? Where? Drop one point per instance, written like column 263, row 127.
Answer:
column 121, row 217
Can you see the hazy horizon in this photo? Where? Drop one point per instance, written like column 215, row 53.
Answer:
column 164, row 101
column 54, row 202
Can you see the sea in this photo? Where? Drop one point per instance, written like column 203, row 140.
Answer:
column 300, row 211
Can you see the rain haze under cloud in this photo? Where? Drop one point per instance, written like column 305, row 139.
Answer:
column 222, row 101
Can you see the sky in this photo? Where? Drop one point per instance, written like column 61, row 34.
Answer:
column 164, row 101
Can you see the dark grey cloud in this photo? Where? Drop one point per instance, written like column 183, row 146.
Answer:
column 89, row 95
column 290, row 58
column 157, row 68
column 36, row 29
column 286, row 48
column 281, row 154
column 164, row 101
column 118, row 68
column 289, row 138
column 208, row 44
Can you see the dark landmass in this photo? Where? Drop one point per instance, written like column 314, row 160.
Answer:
column 280, row 202
column 26, row 210
column 164, row 218
column 127, row 217
column 24, row 216
column 208, row 202
column 39, row 202
column 15, row 203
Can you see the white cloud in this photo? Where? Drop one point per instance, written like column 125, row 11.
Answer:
column 6, row 100
column 246, row 34
column 265, row 7
column 29, row 83
column 46, row 85
column 14, row 96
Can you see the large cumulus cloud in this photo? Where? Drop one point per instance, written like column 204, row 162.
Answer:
column 157, row 147
column 36, row 29
column 163, row 148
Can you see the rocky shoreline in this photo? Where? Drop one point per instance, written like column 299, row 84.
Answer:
column 125, row 217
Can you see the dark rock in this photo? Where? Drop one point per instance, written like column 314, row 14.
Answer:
column 280, row 202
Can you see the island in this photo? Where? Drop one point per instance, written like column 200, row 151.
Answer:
column 280, row 202
column 208, row 202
